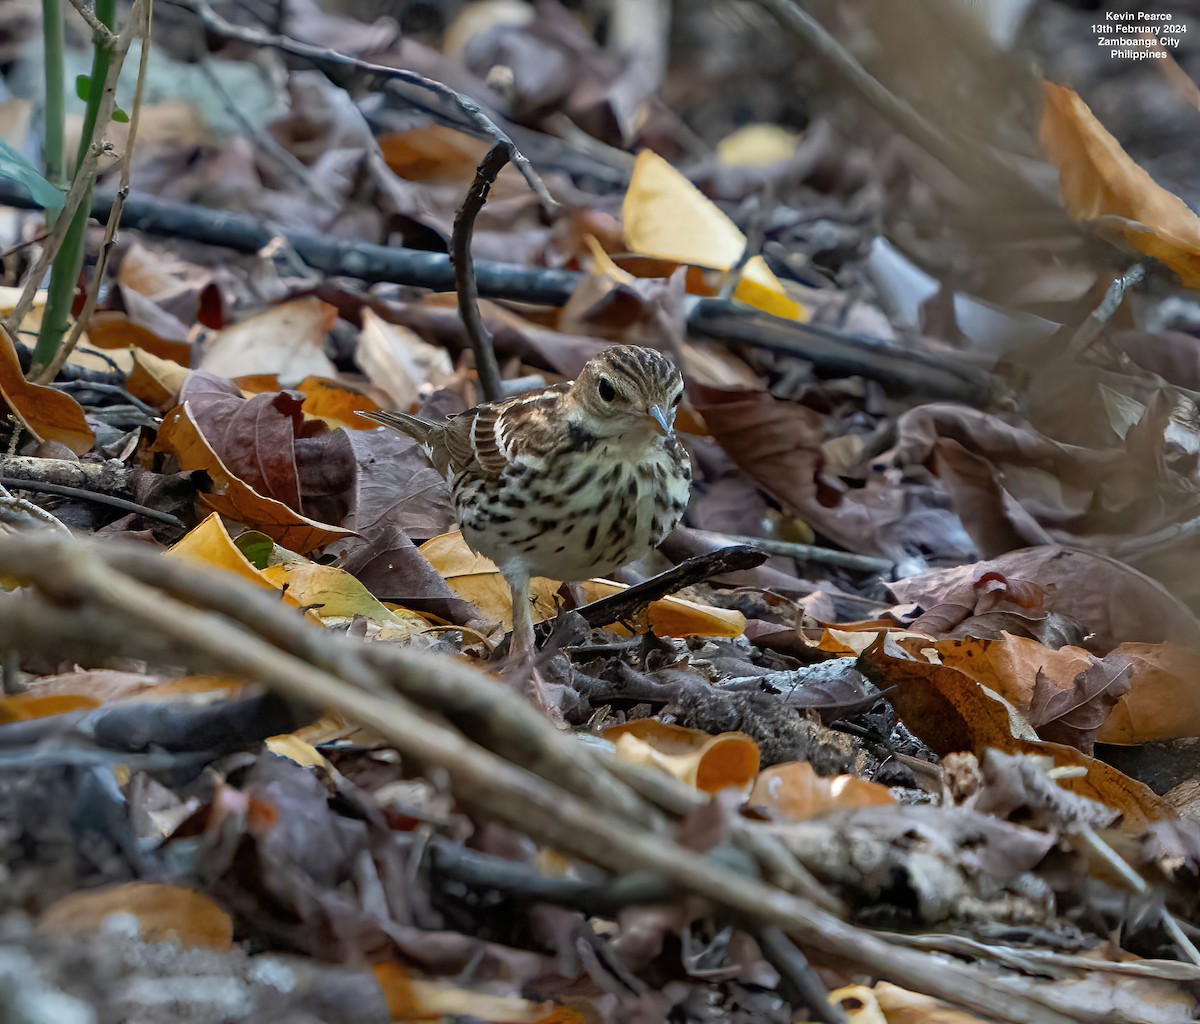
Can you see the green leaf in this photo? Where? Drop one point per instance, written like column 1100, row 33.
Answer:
column 15, row 166
column 257, row 547
column 120, row 116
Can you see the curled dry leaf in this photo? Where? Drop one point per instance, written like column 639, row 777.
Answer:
column 233, row 497
column 338, row 598
column 1098, row 179
column 951, row 712
column 155, row 380
column 287, row 340
column 794, row 792
column 668, row 218
column 164, row 913
column 398, row 362
column 48, row 414
column 708, row 763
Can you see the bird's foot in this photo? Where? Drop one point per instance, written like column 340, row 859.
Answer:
column 524, row 675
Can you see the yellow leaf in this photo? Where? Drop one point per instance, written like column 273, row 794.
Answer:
column 209, row 544
column 412, row 999
column 708, row 763
column 295, row 749
column 165, row 913
column 756, row 145
column 1098, row 178
column 336, row 596
column 668, row 218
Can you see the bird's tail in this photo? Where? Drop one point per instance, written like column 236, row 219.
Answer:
column 420, row 430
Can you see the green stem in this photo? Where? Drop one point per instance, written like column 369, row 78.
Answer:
column 55, row 111
column 65, row 273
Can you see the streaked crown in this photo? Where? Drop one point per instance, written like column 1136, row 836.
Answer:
column 626, row 385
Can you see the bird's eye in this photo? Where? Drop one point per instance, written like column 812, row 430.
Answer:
column 678, row 399
column 607, row 391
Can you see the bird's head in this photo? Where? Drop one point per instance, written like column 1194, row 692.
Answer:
column 628, row 389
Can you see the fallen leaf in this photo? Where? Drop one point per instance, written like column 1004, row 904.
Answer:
column 287, row 340
column 164, row 913
column 951, row 712
column 155, row 380
column 707, row 763
column 209, row 544
column 336, row 403
column 668, row 218
column 398, row 362
column 235, row 498
column 22, row 707
column 775, row 442
column 757, row 145
column 412, row 999
column 673, row 616
column 337, row 598
column 1163, row 701
column 48, row 414
column 794, row 792
column 1099, row 179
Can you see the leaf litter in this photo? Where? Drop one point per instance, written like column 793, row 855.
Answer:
column 924, row 750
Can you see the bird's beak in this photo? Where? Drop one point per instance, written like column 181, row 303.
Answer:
column 665, row 421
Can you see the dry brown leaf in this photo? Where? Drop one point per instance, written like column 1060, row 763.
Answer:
column 165, row 913
column 235, row 498
column 951, row 712
column 48, row 414
column 286, row 340
column 1163, row 702
column 708, row 763
column 795, row 792
column 398, row 362
column 1099, row 179
column 155, row 380
column 335, row 403
column 111, row 330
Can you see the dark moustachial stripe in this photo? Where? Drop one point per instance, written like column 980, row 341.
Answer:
column 581, row 439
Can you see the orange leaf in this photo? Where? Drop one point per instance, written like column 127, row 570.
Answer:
column 48, row 414
column 1098, row 178
column 795, row 792
column 23, row 706
column 236, row 499
column 112, row 330
column 1163, row 702
column 951, row 712
column 335, row 403
column 709, row 763
column 165, row 913
column 155, row 380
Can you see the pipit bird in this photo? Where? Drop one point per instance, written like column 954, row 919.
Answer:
column 569, row 482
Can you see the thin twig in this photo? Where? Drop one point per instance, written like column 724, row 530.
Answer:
column 41, row 487
column 466, row 286
column 100, row 31
column 630, row 602
column 139, row 21
column 800, row 984
column 471, row 111
column 819, row 555
column 1093, row 323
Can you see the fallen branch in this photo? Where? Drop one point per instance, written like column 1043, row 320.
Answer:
column 832, row 353
column 96, row 497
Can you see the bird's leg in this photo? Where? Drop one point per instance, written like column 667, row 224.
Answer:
column 522, row 648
